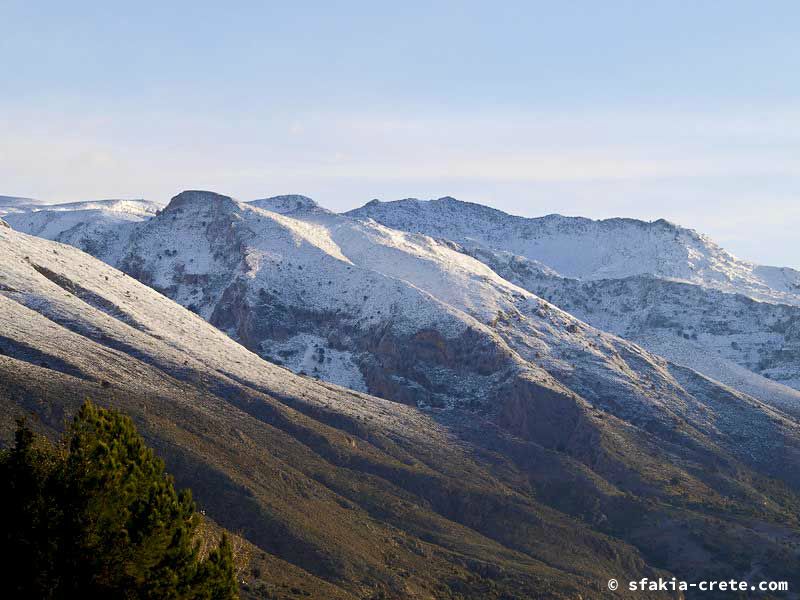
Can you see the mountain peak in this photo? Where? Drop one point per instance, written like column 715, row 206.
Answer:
column 200, row 198
column 286, row 203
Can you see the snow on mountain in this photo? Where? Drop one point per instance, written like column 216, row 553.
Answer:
column 663, row 290
column 762, row 337
column 412, row 319
column 133, row 207
column 287, row 204
column 750, row 345
column 14, row 204
column 265, row 450
column 96, row 226
column 586, row 249
column 631, row 467
column 130, row 315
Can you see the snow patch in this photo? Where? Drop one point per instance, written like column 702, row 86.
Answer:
column 311, row 355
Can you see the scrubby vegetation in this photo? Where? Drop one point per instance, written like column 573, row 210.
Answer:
column 97, row 516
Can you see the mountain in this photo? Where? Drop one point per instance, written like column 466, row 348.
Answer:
column 348, row 495
column 585, row 249
column 14, row 204
column 750, row 345
column 663, row 287
column 482, row 381
column 287, row 204
column 101, row 224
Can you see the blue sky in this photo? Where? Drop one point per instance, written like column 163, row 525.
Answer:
column 682, row 110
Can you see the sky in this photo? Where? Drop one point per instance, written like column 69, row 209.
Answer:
column 688, row 111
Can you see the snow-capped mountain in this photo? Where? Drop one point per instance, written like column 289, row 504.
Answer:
column 555, row 432
column 287, row 204
column 316, row 476
column 750, row 345
column 15, row 204
column 405, row 317
column 143, row 208
column 97, row 226
column 665, row 289
column 558, row 417
column 586, row 249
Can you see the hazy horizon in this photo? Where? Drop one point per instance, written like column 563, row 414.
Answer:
column 667, row 110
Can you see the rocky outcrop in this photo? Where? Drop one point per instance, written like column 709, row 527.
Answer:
column 200, row 200
column 536, row 411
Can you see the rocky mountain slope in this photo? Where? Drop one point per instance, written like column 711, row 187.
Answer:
column 585, row 249
column 398, row 315
column 666, row 288
column 578, row 421
column 360, row 496
column 99, row 224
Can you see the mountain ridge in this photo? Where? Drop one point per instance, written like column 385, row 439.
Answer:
column 577, row 247
column 570, row 419
column 728, row 329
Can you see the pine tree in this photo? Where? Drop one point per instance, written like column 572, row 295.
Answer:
column 98, row 517
column 30, row 517
column 217, row 573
